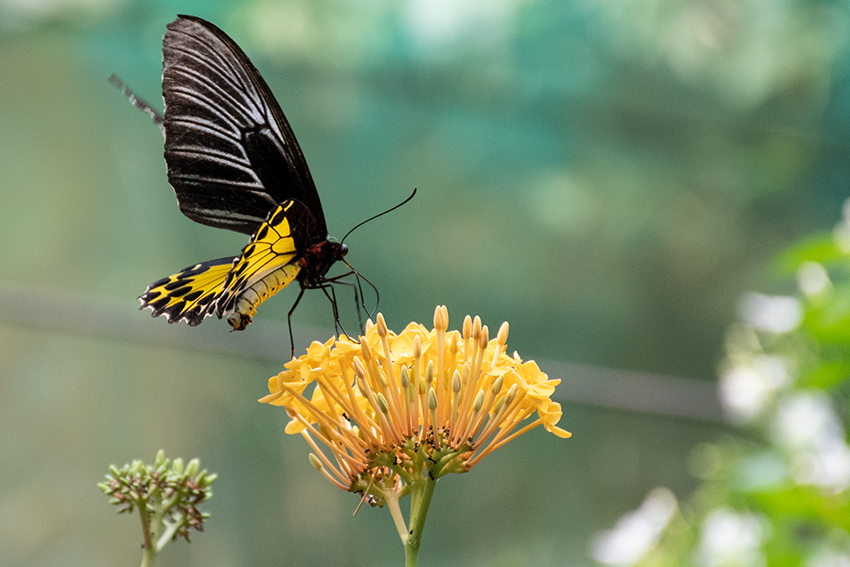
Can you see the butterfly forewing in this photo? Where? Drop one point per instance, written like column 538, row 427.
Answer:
column 230, row 152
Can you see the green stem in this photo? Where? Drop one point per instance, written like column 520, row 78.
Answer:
column 148, row 557
column 395, row 511
column 149, row 547
column 421, row 492
column 170, row 528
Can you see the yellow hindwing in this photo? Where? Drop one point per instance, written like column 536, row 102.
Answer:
column 267, row 265
column 232, row 287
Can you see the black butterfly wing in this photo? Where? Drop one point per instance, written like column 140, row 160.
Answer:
column 231, row 154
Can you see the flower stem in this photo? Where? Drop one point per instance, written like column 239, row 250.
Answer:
column 421, row 492
column 148, row 557
column 395, row 511
column 149, row 547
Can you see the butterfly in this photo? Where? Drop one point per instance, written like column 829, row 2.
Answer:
column 234, row 163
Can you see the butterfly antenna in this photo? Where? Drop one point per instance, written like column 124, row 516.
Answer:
column 373, row 218
column 138, row 101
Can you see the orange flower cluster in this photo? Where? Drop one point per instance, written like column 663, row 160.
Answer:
column 437, row 399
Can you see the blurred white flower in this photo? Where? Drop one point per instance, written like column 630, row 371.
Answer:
column 804, row 420
column 731, row 539
column 807, row 425
column 826, row 466
column 812, row 278
column 772, row 313
column 746, row 389
column 635, row 533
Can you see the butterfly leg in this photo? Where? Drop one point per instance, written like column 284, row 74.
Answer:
column 362, row 303
column 359, row 298
column 358, row 277
column 289, row 320
column 330, row 293
column 327, row 288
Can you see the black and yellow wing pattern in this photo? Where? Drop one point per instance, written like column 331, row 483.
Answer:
column 234, row 163
column 190, row 294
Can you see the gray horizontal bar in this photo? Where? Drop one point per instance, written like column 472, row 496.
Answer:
column 62, row 311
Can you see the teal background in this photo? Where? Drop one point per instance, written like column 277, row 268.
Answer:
column 607, row 176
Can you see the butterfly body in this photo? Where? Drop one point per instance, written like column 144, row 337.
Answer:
column 284, row 255
column 234, row 163
column 310, row 270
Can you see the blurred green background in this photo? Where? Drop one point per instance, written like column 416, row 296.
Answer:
column 607, row 176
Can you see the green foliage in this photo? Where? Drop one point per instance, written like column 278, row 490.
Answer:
column 777, row 493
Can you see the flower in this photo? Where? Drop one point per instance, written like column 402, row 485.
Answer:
column 166, row 494
column 393, row 409
column 749, row 387
column 728, row 537
column 772, row 313
column 636, row 533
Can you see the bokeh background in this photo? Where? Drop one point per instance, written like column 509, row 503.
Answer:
column 609, row 176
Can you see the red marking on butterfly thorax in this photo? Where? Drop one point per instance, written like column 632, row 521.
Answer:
column 318, row 259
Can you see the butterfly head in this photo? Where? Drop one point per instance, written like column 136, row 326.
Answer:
column 318, row 259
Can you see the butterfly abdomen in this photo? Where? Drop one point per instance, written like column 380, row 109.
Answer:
column 243, row 307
